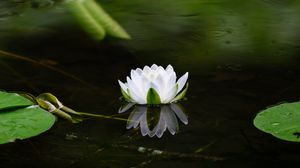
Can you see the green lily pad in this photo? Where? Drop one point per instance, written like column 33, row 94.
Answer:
column 20, row 119
column 24, row 123
column 282, row 121
column 10, row 100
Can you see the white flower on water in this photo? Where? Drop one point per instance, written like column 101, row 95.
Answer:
column 154, row 85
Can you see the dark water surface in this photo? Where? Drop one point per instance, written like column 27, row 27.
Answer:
column 240, row 62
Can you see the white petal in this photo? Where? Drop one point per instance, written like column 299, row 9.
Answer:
column 155, row 87
column 145, row 85
column 139, row 71
column 171, row 79
column 169, row 69
column 146, row 69
column 136, row 98
column 137, row 80
column 160, row 69
column 135, row 93
column 154, row 67
column 159, row 82
column 131, row 74
column 181, row 81
column 170, row 95
column 132, row 86
column 123, row 86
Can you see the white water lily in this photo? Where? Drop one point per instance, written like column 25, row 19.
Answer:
column 154, row 85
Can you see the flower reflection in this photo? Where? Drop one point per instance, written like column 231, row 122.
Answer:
column 154, row 121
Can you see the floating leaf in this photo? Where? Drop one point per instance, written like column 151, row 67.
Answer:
column 24, row 123
column 282, row 121
column 11, row 100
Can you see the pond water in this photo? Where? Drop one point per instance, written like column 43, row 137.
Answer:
column 240, row 61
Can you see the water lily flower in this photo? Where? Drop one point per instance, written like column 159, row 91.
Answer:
column 154, row 85
column 153, row 123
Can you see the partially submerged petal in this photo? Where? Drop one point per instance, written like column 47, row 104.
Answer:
column 153, row 97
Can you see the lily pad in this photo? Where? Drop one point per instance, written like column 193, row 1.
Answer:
column 282, row 121
column 20, row 119
column 24, row 123
column 10, row 100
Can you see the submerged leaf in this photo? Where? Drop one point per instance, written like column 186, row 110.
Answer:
column 153, row 97
column 282, row 121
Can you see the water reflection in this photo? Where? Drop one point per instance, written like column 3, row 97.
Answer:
column 154, row 121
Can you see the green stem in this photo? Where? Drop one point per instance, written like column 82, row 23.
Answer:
column 101, row 116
